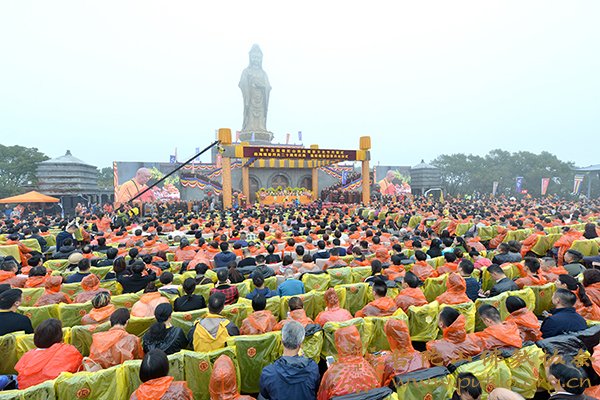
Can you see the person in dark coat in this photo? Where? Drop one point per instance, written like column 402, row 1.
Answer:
column 291, row 376
column 162, row 335
column 563, row 318
column 135, row 282
column 503, row 284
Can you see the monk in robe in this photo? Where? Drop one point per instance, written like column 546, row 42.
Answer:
column 261, row 320
column 421, row 267
column 91, row 287
column 146, row 305
column 133, row 187
column 101, row 312
column 455, row 344
column 116, row 346
column 52, row 293
column 524, row 319
column 497, row 333
column 50, row 358
column 402, row 357
column 530, row 273
column 297, row 313
column 532, row 239
column 382, row 305
column 333, row 312
column 386, row 185
column 351, row 373
column 410, row 295
column 156, row 383
column 223, row 381
column 456, row 291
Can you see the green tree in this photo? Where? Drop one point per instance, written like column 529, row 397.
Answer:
column 106, row 178
column 17, row 168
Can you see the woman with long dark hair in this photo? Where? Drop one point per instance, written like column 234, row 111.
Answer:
column 162, row 335
column 189, row 301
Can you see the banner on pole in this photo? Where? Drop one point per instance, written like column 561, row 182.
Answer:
column 577, row 184
column 545, row 183
column 344, row 177
column 494, row 188
column 287, row 138
column 519, row 184
column 300, row 136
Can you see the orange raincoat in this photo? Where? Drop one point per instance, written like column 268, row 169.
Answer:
column 455, row 344
column 40, row 365
column 505, row 334
column 565, row 242
column 530, row 241
column 52, row 294
column 380, row 307
column 528, row 324
column 333, row 312
column 594, row 391
column 410, row 297
column 593, row 292
column 223, row 383
column 402, row 358
column 351, row 373
column 146, row 305
column 114, row 347
column 91, row 287
column 258, row 322
column 164, row 388
column 455, row 291
column 296, row 315
column 98, row 315
column 423, row 270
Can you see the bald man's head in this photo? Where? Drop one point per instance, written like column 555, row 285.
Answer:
column 142, row 176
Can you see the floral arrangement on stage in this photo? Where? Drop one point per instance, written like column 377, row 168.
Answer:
column 280, row 191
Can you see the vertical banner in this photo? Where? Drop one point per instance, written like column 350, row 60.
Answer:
column 172, row 159
column 577, row 184
column 237, row 136
column 300, row 136
column 253, row 137
column 197, row 159
column 545, row 183
column 287, row 138
column 494, row 188
column 218, row 161
column 115, row 178
column 344, row 177
column 519, row 184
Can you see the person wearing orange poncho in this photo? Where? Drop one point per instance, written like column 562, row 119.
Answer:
column 115, row 346
column 455, row 344
column 402, row 358
column 333, row 312
column 530, row 273
column 37, row 277
column 334, row 260
column 185, row 252
column 91, row 287
column 565, row 242
column 24, row 251
column 382, row 305
column 531, row 240
column 52, row 294
column 8, row 274
column 499, row 238
column 450, row 265
column 524, row 319
column 261, row 320
column 497, row 333
column 591, row 282
column 396, row 269
column 50, row 358
column 549, row 270
column 584, row 305
column 297, row 313
column 156, row 382
column 410, row 295
column 456, row 291
column 421, row 267
column 223, row 381
column 146, row 305
column 101, row 312
column 351, row 373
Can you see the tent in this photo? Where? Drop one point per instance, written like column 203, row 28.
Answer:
column 30, row 197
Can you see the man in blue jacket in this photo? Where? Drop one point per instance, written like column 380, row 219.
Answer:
column 292, row 376
column 563, row 318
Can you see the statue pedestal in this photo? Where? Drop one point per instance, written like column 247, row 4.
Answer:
column 260, row 137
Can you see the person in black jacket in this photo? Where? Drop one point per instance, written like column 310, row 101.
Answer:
column 568, row 382
column 190, row 301
column 136, row 282
column 503, row 284
column 162, row 335
column 10, row 320
column 563, row 318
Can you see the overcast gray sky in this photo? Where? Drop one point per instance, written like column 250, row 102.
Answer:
column 132, row 80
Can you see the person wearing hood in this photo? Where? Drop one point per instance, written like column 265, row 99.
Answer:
column 52, row 293
column 455, row 344
column 91, row 287
column 410, row 295
column 115, row 346
column 563, row 244
column 421, row 267
column 261, row 320
column 146, row 305
column 333, row 312
column 292, row 376
column 497, row 333
column 297, row 313
column 162, row 334
column 351, row 373
column 402, row 357
column 156, row 382
column 456, row 291
column 526, row 321
column 382, row 306
column 50, row 358
column 223, row 381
